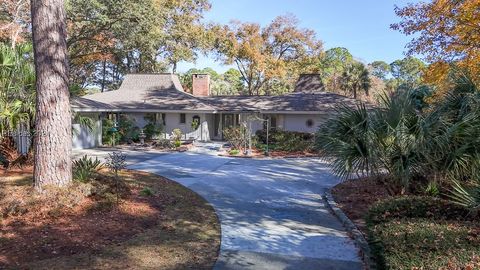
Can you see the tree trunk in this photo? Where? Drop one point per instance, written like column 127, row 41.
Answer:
column 53, row 135
column 104, row 74
column 174, row 67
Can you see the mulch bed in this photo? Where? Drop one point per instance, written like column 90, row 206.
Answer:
column 87, row 227
column 272, row 154
column 356, row 196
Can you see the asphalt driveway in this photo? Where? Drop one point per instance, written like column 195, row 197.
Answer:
column 271, row 212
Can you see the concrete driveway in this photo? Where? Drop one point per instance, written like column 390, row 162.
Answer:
column 271, row 212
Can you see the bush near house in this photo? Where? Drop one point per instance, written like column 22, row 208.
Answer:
column 126, row 131
column 235, row 136
column 152, row 129
column 289, row 141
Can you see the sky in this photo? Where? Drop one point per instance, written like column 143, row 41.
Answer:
column 361, row 26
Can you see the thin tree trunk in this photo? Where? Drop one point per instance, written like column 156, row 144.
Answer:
column 104, row 74
column 174, row 67
column 53, row 136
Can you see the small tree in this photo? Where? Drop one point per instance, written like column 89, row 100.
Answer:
column 116, row 162
column 235, row 136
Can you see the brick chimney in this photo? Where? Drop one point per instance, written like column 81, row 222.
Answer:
column 201, row 85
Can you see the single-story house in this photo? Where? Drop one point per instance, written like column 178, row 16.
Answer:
column 163, row 96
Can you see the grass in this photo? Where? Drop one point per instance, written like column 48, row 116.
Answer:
column 411, row 232
column 171, row 228
column 427, row 244
column 415, row 232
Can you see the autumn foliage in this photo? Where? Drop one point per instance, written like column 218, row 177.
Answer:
column 447, row 33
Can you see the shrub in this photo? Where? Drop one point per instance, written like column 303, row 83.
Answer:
column 127, row 129
column 109, row 136
column 234, row 152
column 468, row 197
column 177, row 144
column 85, row 168
column 177, row 134
column 235, row 136
column 152, row 131
column 147, row 192
column 409, row 142
column 432, row 189
column 164, row 144
column 290, row 141
column 273, row 135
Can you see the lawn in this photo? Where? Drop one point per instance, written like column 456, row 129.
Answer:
column 411, row 232
column 157, row 224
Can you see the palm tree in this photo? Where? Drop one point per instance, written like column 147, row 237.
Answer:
column 355, row 78
column 17, row 94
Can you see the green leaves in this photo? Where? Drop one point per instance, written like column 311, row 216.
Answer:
column 17, row 79
column 345, row 140
column 466, row 197
column 408, row 141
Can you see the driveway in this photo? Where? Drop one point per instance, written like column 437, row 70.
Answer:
column 271, row 212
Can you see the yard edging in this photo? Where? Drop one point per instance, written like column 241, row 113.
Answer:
column 356, row 235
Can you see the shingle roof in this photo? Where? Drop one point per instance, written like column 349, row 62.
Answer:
column 143, row 92
column 164, row 92
column 293, row 102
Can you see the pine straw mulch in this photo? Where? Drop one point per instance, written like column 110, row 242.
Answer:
column 256, row 153
column 356, row 196
column 172, row 229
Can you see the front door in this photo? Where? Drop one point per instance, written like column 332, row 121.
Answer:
column 222, row 121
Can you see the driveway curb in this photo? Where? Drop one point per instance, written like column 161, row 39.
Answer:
column 356, row 235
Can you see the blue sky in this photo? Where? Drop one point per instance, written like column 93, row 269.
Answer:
column 361, row 26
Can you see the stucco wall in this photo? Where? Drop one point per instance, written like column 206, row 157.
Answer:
column 138, row 119
column 298, row 122
column 172, row 121
column 84, row 138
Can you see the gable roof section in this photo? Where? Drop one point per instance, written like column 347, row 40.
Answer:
column 163, row 92
column 143, row 92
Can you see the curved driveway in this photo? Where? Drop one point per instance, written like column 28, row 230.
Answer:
column 271, row 212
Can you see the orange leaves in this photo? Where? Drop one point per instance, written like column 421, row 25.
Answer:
column 448, row 32
column 275, row 52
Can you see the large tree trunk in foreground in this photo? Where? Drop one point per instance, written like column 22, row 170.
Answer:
column 53, row 138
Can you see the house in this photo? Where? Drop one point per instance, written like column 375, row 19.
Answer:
column 162, row 96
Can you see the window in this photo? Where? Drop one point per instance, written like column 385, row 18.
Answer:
column 272, row 121
column 309, row 123
column 182, row 118
column 164, row 121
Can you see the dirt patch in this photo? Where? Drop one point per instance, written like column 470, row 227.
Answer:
column 356, row 196
column 172, row 228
